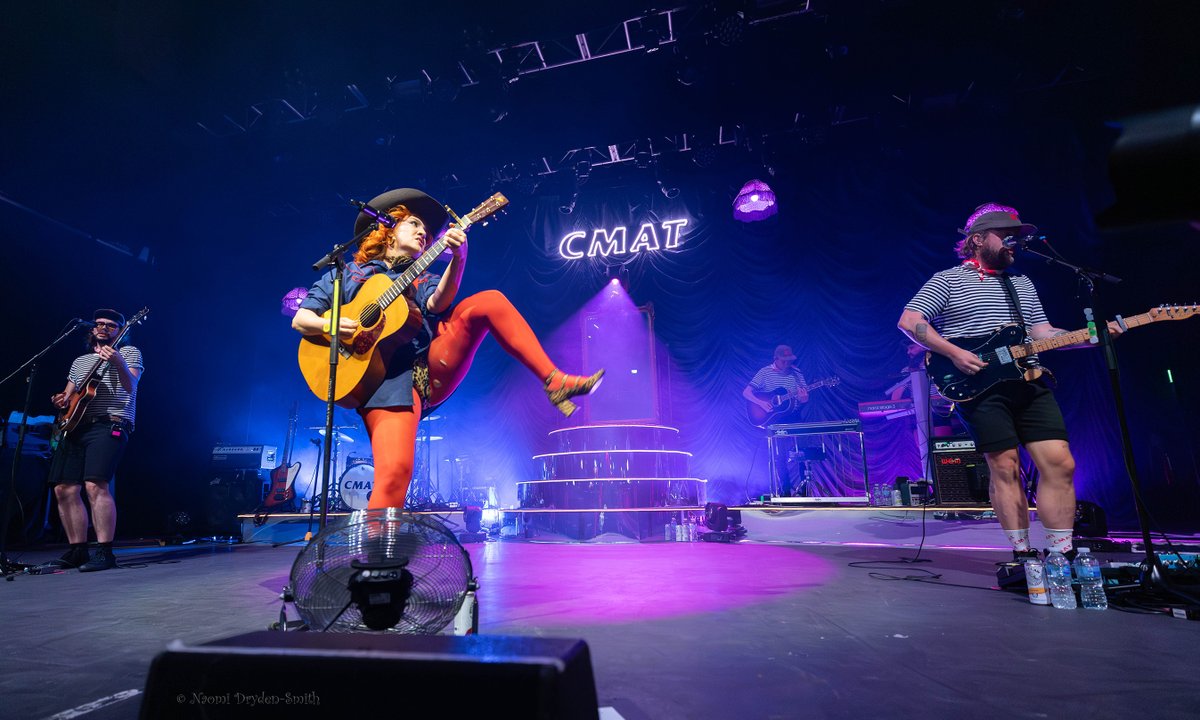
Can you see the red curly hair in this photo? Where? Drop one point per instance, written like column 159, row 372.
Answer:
column 374, row 245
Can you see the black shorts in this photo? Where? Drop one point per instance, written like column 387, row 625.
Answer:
column 1012, row 413
column 90, row 453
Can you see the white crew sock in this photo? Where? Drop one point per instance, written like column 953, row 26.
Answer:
column 1019, row 539
column 1059, row 540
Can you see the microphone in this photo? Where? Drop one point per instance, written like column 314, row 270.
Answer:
column 380, row 217
column 1013, row 242
column 79, row 322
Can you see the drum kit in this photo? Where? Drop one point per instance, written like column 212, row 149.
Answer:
column 352, row 489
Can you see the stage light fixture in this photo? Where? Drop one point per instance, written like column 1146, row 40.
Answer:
column 291, row 301
column 568, row 205
column 755, row 201
column 716, row 516
column 668, row 191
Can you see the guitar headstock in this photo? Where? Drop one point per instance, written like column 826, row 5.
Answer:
column 1174, row 312
column 487, row 208
column 138, row 317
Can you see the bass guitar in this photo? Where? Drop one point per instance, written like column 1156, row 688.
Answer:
column 383, row 326
column 283, row 478
column 1007, row 352
column 79, row 401
column 783, row 402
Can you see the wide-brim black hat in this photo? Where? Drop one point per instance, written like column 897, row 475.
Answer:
column 109, row 314
column 431, row 212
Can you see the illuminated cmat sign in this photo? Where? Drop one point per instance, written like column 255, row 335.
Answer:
column 616, row 241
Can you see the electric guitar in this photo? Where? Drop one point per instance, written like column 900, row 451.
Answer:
column 384, row 325
column 283, row 478
column 79, row 401
column 783, row 401
column 1006, row 351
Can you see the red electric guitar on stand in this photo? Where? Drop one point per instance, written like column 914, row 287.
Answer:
column 283, row 478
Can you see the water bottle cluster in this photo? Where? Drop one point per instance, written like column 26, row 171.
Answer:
column 685, row 531
column 1057, row 589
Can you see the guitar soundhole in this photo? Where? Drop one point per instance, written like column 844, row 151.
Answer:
column 370, row 315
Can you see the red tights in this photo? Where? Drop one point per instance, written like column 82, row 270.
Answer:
column 393, row 430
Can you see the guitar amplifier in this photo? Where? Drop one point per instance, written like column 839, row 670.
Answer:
column 960, row 474
column 244, row 457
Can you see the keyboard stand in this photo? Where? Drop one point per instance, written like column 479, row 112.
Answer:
column 788, row 432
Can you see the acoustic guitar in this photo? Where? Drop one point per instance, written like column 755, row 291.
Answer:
column 783, row 401
column 384, row 325
column 1006, row 352
column 83, row 396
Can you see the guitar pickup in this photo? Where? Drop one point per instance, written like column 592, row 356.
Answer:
column 1003, row 355
column 1121, row 323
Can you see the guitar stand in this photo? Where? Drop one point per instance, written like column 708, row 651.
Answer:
column 1152, row 582
column 7, row 566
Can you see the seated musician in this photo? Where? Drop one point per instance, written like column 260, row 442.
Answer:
column 764, row 392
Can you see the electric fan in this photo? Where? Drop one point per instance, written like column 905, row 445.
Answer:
column 383, row 569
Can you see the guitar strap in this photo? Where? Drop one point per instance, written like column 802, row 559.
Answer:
column 1014, row 301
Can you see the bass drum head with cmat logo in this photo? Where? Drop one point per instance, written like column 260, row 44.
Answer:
column 356, row 485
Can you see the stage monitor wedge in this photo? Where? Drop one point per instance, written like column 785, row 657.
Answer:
column 312, row 674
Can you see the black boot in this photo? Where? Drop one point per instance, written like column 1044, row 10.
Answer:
column 102, row 559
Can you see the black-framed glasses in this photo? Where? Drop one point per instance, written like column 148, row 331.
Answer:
column 106, row 324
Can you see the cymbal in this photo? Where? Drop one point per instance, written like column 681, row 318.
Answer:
column 335, row 427
column 430, row 438
column 339, row 435
column 434, row 417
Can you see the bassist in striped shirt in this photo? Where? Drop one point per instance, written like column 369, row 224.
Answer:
column 974, row 299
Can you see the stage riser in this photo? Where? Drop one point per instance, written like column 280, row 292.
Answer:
column 585, row 526
column 611, row 494
column 617, row 438
column 616, row 465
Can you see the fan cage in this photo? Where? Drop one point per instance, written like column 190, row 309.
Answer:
column 440, row 566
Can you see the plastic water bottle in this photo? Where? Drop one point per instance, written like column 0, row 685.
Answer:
column 1058, row 581
column 671, row 529
column 1091, row 582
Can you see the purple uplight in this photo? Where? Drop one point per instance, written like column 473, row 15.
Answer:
column 614, row 281
column 291, row 302
column 755, row 201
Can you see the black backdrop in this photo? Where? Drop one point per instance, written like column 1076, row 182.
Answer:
column 110, row 163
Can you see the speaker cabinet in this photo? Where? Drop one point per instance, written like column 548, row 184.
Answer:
column 230, row 493
column 960, row 474
column 311, row 674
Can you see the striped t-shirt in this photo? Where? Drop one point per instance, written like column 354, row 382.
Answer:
column 959, row 302
column 111, row 398
column 769, row 379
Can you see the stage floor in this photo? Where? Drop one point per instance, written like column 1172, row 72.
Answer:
column 763, row 628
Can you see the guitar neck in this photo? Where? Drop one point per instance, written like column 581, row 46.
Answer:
column 431, row 253
column 1071, row 338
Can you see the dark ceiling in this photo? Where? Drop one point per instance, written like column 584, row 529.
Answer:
column 164, row 108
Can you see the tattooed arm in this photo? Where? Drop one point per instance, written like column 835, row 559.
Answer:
column 914, row 325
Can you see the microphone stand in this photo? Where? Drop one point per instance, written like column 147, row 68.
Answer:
column 8, row 567
column 1153, row 577
column 334, row 257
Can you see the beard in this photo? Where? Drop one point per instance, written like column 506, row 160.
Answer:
column 998, row 259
